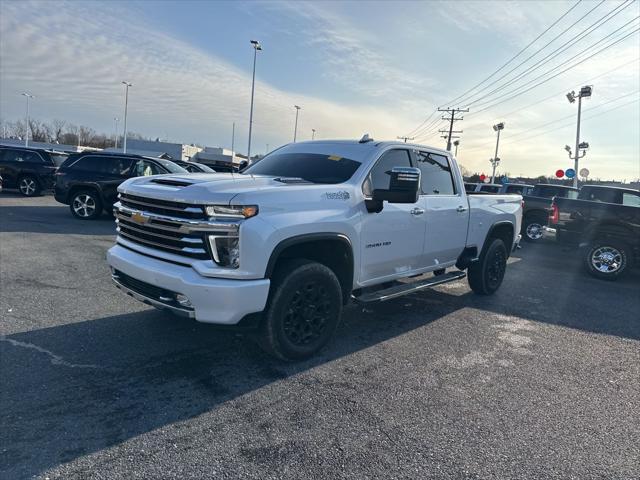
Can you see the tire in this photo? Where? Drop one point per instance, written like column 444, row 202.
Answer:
column 607, row 259
column 293, row 326
column 86, row 205
column 29, row 186
column 485, row 276
column 532, row 228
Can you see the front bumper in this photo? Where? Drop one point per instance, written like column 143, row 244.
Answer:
column 211, row 300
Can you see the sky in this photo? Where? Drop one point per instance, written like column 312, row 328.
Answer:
column 353, row 67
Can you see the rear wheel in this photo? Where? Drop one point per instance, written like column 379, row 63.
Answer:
column 607, row 259
column 485, row 276
column 29, row 186
column 86, row 205
column 303, row 311
column 532, row 227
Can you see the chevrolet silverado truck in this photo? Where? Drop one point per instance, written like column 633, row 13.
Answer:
column 604, row 223
column 285, row 244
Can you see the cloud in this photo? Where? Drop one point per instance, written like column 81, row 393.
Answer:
column 177, row 88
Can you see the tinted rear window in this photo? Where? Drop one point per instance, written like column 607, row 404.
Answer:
column 604, row 195
column 490, row 188
column 312, row 167
column 170, row 166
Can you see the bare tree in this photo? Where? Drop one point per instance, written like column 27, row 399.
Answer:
column 57, row 129
column 86, row 135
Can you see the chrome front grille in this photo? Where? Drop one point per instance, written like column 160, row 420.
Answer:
column 163, row 207
column 173, row 227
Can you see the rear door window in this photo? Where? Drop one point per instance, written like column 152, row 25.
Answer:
column 436, row 178
column 631, row 199
column 603, row 195
column 144, row 168
column 19, row 156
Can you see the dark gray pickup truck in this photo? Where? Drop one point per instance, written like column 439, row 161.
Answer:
column 536, row 208
column 604, row 222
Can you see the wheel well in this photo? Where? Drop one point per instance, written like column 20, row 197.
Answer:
column 503, row 231
column 334, row 252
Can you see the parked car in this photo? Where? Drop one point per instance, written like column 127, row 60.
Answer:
column 88, row 181
column 518, row 188
column 536, row 208
column 488, row 188
column 294, row 237
column 194, row 167
column 604, row 222
column 30, row 170
column 470, row 187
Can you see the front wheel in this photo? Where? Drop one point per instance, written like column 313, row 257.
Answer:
column 606, row 259
column 485, row 276
column 303, row 311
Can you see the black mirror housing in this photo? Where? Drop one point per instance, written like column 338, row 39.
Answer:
column 404, row 186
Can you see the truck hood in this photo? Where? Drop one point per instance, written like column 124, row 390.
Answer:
column 206, row 188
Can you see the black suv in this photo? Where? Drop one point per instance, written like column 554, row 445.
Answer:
column 88, row 182
column 30, row 170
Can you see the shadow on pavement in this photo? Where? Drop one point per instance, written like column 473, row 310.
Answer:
column 51, row 219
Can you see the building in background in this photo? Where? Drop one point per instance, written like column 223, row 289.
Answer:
column 58, row 147
column 220, row 159
column 177, row 151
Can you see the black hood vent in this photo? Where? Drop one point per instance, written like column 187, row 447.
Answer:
column 173, row 183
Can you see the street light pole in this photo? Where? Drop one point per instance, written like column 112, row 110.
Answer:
column 571, row 96
column 116, row 120
column 456, row 144
column 126, row 106
column 256, row 46
column 313, row 134
column 27, row 127
column 496, row 160
column 295, row 129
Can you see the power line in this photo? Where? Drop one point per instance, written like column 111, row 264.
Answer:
column 457, row 99
column 554, row 95
column 517, row 92
column 557, row 52
column 415, row 130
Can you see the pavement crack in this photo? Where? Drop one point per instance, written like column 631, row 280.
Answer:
column 53, row 358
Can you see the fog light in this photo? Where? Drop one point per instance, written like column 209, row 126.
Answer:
column 183, row 300
column 225, row 250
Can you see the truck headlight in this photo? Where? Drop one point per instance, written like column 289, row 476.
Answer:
column 225, row 250
column 236, row 211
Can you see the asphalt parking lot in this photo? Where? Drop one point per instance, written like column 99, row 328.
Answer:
column 540, row 381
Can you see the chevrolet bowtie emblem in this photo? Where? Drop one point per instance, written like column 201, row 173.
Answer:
column 139, row 218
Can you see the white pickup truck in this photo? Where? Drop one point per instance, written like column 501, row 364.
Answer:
column 285, row 244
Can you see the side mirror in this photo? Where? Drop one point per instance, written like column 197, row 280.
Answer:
column 404, row 187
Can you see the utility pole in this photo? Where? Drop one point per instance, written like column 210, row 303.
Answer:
column 313, row 134
column 233, row 141
column 406, row 138
column 27, row 126
column 449, row 132
column 295, row 129
column 452, row 112
column 116, row 120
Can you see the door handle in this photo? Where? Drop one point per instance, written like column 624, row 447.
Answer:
column 417, row 211
column 461, row 209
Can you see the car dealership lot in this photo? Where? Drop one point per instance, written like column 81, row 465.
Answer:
column 542, row 380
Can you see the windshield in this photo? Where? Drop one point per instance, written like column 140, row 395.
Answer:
column 312, row 167
column 172, row 167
